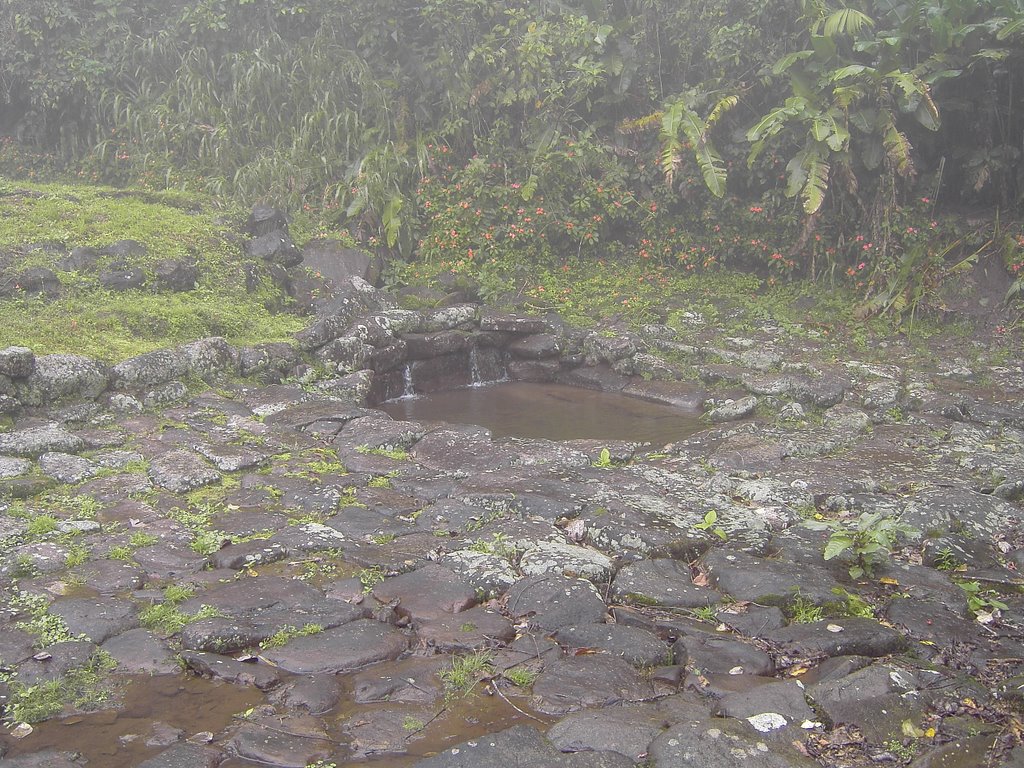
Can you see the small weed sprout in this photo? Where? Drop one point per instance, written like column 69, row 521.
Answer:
column 707, row 613
column 85, row 688
column 47, row 627
column 604, row 460
column 41, row 525
column 709, row 524
column 870, row 538
column 288, row 632
column 412, row 724
column 853, row 605
column 498, row 546
column 981, row 602
column 167, row 619
column 370, row 577
column 464, row 673
column 946, row 560
column 804, row 611
column 520, row 676
column 76, row 555
column 397, row 454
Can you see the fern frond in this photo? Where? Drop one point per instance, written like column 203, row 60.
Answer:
column 846, row 21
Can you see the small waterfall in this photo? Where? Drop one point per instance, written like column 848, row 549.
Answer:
column 408, row 390
column 485, row 369
column 475, row 379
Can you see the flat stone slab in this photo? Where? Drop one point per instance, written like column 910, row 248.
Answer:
column 767, row 707
column 181, row 471
column 626, row 730
column 837, row 637
column 580, row 682
column 471, row 630
column 342, row 649
column 568, row 560
column 978, row 515
column 875, row 699
column 140, row 652
column 315, row 694
column 184, row 756
column 218, row 667
column 463, row 452
column 522, row 747
column 721, row 743
column 232, row 458
column 383, row 731
column 35, row 441
column 245, row 597
column 555, row 601
column 426, row 594
column 637, row 646
column 490, row 574
column 767, row 582
column 290, row 741
column 109, row 576
column 99, row 619
column 49, row 758
column 663, row 582
column 410, row 681
column 66, row 468
column 713, row 654
column 14, row 467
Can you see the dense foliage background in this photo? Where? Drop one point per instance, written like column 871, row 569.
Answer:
column 454, row 130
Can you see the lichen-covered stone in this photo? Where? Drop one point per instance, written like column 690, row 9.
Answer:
column 63, row 377
column 17, row 362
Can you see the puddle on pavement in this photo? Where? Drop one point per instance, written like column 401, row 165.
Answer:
column 117, row 738
column 471, row 717
column 552, row 412
column 154, row 706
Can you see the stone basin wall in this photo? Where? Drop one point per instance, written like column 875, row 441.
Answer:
column 362, row 348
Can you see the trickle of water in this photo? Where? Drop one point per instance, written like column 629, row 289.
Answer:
column 408, row 390
column 475, row 379
column 477, row 376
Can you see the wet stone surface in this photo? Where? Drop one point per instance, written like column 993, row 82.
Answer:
column 296, row 577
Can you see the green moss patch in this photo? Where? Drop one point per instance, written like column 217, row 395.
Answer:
column 87, row 319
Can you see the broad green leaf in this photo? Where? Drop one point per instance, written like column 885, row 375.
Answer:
column 898, row 148
column 992, row 54
column 1013, row 28
column 927, row 113
column 872, row 153
column 822, row 127
column 678, row 117
column 772, row 123
column 846, row 21
column 851, row 70
column 836, row 545
column 824, row 47
column 837, row 141
column 724, row 105
column 797, row 174
column 789, row 60
column 391, row 220
column 817, row 184
column 530, row 187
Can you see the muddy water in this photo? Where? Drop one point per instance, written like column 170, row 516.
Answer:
column 551, row 411
column 154, row 707
column 151, row 706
